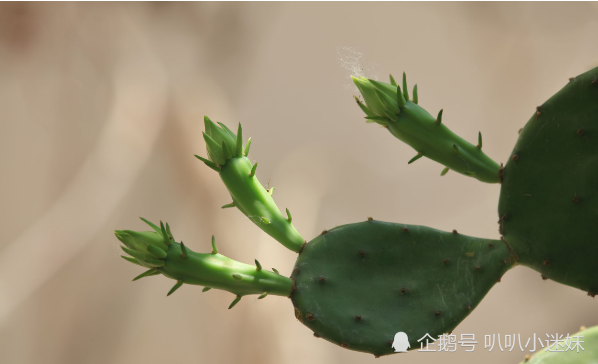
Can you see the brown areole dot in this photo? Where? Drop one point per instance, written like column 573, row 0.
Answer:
column 468, row 308
column 362, row 253
column 478, row 268
column 405, row 230
column 344, row 345
column 455, row 232
column 403, row 290
column 322, row 279
column 316, row 335
column 579, row 132
column 490, row 245
column 546, row 262
column 370, row 218
column 310, row 316
column 543, row 277
column 358, row 318
column 515, row 157
column 591, row 294
column 437, row 313
column 446, row 261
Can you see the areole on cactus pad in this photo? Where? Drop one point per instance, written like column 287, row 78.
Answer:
column 358, row 284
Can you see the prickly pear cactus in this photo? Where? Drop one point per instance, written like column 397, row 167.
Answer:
column 358, row 284
column 548, row 203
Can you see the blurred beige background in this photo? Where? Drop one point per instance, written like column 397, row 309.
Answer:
column 101, row 110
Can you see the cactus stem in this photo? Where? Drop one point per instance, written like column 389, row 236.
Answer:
column 208, row 163
column 238, row 277
column 439, row 117
column 405, row 90
column 235, row 301
column 263, row 295
column 214, row 248
column 175, row 287
column 147, row 273
column 258, row 266
column 418, row 156
column 415, row 94
column 184, row 252
column 445, row 171
column 253, row 170
column 289, row 217
column 479, row 140
column 205, row 289
column 392, row 81
column 246, row 152
column 229, row 205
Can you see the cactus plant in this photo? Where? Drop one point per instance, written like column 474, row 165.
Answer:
column 358, row 284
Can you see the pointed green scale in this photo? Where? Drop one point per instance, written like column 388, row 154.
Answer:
column 548, row 205
column 405, row 90
column 395, row 278
column 156, row 252
column 174, row 288
column 392, row 81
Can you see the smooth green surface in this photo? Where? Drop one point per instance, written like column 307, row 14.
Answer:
column 212, row 270
column 417, row 281
column 248, row 194
column 548, row 204
column 416, row 127
column 589, row 354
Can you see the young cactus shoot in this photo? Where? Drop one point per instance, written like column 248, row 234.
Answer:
column 229, row 158
column 390, row 107
column 158, row 251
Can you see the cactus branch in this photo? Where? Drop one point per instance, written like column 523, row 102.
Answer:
column 416, row 127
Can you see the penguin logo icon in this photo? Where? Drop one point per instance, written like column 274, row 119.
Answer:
column 401, row 342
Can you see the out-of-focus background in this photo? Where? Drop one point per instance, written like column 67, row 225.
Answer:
column 101, row 109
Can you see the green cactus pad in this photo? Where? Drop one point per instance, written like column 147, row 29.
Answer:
column 357, row 285
column 390, row 107
column 569, row 352
column 229, row 158
column 548, row 204
column 158, row 251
